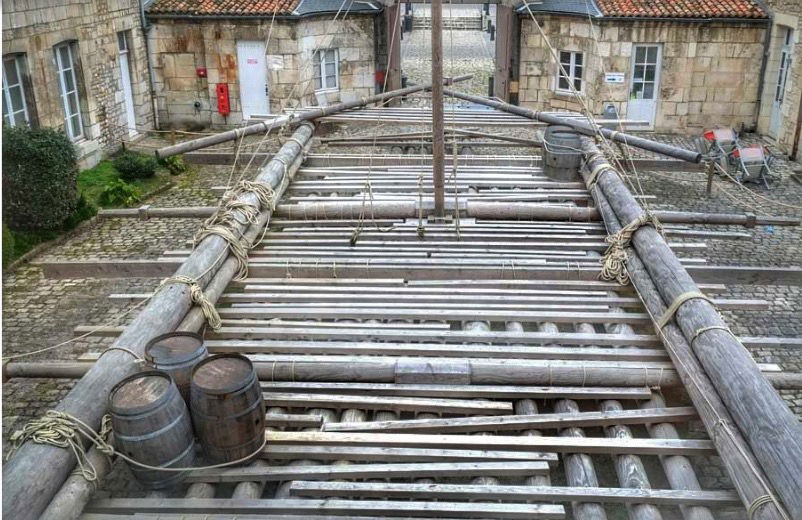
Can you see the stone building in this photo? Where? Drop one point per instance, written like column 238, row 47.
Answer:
column 781, row 98
column 261, row 57
column 79, row 65
column 681, row 65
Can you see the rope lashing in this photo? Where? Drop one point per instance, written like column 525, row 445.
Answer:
column 199, row 299
column 702, row 330
column 65, row 431
column 675, row 305
column 615, row 257
column 756, row 503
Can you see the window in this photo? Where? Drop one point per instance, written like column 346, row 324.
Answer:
column 645, row 72
column 572, row 63
column 15, row 108
column 68, row 85
column 326, row 65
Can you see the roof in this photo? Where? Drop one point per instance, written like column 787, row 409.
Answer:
column 749, row 9
column 251, row 8
column 682, row 8
column 579, row 7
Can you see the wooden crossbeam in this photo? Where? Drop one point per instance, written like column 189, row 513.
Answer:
column 393, row 454
column 519, row 422
column 418, row 404
column 557, row 444
column 349, row 508
column 391, row 490
column 366, row 471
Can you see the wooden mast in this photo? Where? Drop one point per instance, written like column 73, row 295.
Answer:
column 438, row 137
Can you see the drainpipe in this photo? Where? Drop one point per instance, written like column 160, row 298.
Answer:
column 763, row 66
column 145, row 36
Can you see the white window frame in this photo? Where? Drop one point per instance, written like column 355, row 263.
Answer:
column 9, row 112
column 319, row 66
column 570, row 69
column 63, row 70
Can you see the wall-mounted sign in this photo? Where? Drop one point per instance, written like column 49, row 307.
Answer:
column 614, row 77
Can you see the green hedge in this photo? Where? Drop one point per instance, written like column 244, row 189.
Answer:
column 132, row 165
column 40, row 172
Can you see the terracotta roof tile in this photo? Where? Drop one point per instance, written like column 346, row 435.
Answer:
column 223, row 7
column 682, row 8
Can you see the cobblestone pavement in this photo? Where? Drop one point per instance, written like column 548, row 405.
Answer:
column 464, row 52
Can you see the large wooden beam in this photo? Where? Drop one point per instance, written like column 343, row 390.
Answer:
column 438, row 137
column 711, row 389
column 28, row 490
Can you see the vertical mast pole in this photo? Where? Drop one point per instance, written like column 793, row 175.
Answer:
column 438, row 138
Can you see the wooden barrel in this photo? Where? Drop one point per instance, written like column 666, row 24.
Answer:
column 561, row 153
column 176, row 353
column 152, row 425
column 227, row 407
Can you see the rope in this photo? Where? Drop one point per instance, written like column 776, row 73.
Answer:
column 198, row 298
column 678, row 301
column 756, row 503
column 63, row 430
column 702, row 330
column 615, row 257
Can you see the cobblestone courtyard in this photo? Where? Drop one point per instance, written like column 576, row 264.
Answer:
column 39, row 312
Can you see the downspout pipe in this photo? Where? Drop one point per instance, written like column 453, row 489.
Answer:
column 146, row 27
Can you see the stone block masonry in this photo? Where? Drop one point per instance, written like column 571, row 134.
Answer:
column 32, row 28
column 181, row 47
column 709, row 73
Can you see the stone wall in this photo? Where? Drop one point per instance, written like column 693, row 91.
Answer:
column 33, row 27
column 709, row 75
column 180, row 47
column 786, row 14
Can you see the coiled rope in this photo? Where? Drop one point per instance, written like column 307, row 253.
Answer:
column 615, row 257
column 198, row 298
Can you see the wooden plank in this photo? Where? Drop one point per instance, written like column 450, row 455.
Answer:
column 277, row 420
column 455, row 391
column 392, row 490
column 387, row 403
column 366, row 471
column 519, row 422
column 390, row 454
column 346, row 508
column 557, row 444
column 436, row 314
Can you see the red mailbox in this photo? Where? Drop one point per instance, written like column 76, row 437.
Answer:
column 223, row 105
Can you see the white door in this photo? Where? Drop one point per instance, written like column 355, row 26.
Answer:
column 252, row 78
column 644, row 84
column 125, row 76
column 779, row 86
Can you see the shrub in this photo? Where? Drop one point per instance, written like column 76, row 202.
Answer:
column 175, row 164
column 132, row 165
column 40, row 172
column 83, row 211
column 8, row 246
column 119, row 193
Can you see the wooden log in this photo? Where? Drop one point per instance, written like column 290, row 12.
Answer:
column 278, row 122
column 27, row 490
column 742, row 466
column 678, row 469
column 653, row 497
column 629, row 468
column 520, row 422
column 772, row 430
column 347, row 508
column 579, row 469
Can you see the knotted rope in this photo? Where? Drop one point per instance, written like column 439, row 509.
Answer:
column 615, row 257
column 199, row 299
column 225, row 222
column 675, row 305
column 65, row 431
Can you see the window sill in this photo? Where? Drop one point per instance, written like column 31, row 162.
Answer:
column 327, row 90
column 568, row 95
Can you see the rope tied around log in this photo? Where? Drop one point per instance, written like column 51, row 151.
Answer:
column 677, row 303
column 756, row 503
column 63, row 430
column 198, row 298
column 223, row 223
column 615, row 257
